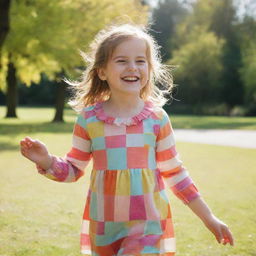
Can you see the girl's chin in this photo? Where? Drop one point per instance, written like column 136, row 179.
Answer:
column 127, row 92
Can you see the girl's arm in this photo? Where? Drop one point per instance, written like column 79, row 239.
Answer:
column 171, row 169
column 216, row 226
column 177, row 178
column 66, row 169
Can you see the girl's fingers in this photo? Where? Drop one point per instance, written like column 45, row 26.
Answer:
column 29, row 142
column 228, row 236
column 24, row 153
column 219, row 238
column 23, row 145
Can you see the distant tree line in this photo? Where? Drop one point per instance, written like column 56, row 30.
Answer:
column 211, row 46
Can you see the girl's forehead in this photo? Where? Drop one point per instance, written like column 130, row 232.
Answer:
column 131, row 46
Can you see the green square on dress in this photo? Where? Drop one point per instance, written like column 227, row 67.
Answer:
column 117, row 158
column 98, row 143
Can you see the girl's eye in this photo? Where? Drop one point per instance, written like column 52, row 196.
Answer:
column 120, row 60
column 141, row 61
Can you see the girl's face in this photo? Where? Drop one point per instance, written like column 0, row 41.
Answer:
column 127, row 70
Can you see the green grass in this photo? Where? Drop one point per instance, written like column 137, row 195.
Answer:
column 31, row 119
column 40, row 217
column 213, row 122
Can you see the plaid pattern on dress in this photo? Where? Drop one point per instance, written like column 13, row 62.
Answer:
column 127, row 211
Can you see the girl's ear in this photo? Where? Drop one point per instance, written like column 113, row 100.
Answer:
column 101, row 74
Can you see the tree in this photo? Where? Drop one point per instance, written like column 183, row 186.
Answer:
column 199, row 67
column 165, row 17
column 4, row 21
column 45, row 36
column 248, row 69
column 224, row 24
column 220, row 19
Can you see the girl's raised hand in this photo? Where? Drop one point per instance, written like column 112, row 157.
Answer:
column 35, row 151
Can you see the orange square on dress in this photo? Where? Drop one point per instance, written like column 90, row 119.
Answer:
column 100, row 159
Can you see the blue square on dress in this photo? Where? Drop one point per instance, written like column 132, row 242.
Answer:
column 117, row 158
column 92, row 119
column 113, row 232
column 148, row 125
column 151, row 158
column 150, row 249
column 98, row 143
column 136, row 182
column 153, row 227
column 81, row 121
column 150, row 139
column 93, row 209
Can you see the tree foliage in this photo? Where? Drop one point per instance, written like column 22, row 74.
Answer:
column 165, row 18
column 199, row 67
column 45, row 36
column 248, row 69
column 211, row 31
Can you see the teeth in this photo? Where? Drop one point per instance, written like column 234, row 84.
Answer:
column 130, row 78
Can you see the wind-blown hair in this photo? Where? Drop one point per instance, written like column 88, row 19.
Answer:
column 92, row 89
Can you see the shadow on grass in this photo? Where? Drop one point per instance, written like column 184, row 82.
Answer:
column 30, row 128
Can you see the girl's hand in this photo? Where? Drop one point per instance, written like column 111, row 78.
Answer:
column 220, row 230
column 36, row 151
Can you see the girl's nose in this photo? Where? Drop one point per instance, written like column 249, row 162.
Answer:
column 132, row 66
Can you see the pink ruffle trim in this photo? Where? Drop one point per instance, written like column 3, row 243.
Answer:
column 145, row 113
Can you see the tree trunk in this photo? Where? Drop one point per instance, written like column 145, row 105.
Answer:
column 4, row 22
column 12, row 91
column 60, row 102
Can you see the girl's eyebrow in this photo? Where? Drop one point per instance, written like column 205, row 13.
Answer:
column 140, row 57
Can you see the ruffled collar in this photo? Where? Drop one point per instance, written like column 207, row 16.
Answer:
column 145, row 112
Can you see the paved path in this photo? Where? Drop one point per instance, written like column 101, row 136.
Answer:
column 234, row 138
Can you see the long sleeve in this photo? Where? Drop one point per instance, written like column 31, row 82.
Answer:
column 175, row 175
column 71, row 167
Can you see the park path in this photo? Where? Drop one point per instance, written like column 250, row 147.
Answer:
column 234, row 138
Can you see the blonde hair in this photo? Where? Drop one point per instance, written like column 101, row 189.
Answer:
column 92, row 89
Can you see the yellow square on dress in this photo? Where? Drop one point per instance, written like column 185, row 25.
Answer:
column 96, row 129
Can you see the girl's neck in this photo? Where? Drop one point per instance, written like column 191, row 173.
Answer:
column 123, row 107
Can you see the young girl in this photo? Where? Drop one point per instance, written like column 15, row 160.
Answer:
column 122, row 126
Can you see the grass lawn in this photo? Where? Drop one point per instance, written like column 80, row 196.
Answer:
column 213, row 122
column 39, row 217
column 30, row 116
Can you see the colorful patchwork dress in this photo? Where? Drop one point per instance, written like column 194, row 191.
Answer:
column 134, row 159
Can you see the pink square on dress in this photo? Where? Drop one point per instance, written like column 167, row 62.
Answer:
column 118, row 141
column 121, row 209
column 137, row 208
column 100, row 228
column 156, row 128
column 137, row 157
column 135, row 128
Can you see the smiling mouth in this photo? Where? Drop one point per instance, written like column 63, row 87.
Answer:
column 130, row 78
